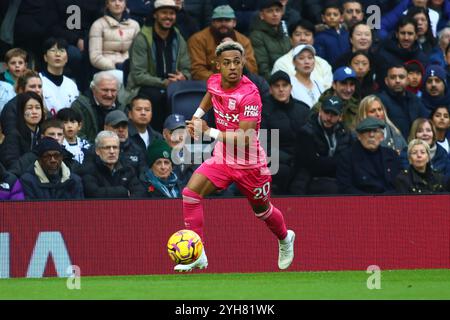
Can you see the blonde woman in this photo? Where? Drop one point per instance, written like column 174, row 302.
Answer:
column 420, row 178
column 423, row 129
column 372, row 106
column 110, row 38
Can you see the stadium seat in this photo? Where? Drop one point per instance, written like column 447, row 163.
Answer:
column 185, row 96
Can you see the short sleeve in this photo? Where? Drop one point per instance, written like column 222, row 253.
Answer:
column 251, row 107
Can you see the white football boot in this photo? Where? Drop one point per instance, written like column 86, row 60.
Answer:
column 200, row 263
column 286, row 251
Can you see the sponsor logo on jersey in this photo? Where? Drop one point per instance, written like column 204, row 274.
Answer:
column 226, row 116
column 251, row 111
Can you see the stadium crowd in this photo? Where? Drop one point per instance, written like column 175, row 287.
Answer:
column 86, row 110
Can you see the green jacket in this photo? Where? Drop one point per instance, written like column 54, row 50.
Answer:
column 350, row 112
column 269, row 44
column 85, row 105
column 143, row 57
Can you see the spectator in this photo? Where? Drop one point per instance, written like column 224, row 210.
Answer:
column 304, row 87
column 159, row 179
column 10, row 186
column 303, row 32
column 52, row 128
column 334, row 40
column 399, row 48
column 416, row 72
column 175, row 135
column 420, row 178
column 130, row 154
column 140, row 10
column 59, row 90
column 202, row 45
column 424, row 129
column 33, row 24
column 110, row 37
column 344, row 86
column 246, row 12
column 361, row 39
column 186, row 24
column 436, row 91
column 50, row 178
column 30, row 114
column 361, row 62
column 139, row 128
column 6, row 93
column 352, row 13
column 442, row 7
column 97, row 103
column 402, row 106
column 425, row 38
column 105, row 176
column 368, row 168
column 371, row 106
column 284, row 113
column 290, row 16
column 390, row 19
column 77, row 38
column 16, row 63
column 320, row 141
column 440, row 117
column 267, row 37
column 439, row 52
column 73, row 123
column 158, row 57
column 30, row 81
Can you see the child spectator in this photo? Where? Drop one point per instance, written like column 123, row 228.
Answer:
column 16, row 62
column 334, row 41
column 72, row 125
column 415, row 71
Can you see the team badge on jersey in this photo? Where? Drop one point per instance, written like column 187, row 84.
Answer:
column 231, row 104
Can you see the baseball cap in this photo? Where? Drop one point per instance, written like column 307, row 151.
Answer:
column 223, row 12
column 344, row 73
column 174, row 121
column 270, row 3
column 279, row 75
column 115, row 117
column 370, row 123
column 158, row 4
column 333, row 104
column 301, row 47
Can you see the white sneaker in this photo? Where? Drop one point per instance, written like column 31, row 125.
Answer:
column 200, row 263
column 286, row 251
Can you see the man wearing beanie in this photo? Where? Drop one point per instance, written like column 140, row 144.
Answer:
column 435, row 91
column 49, row 177
column 159, row 179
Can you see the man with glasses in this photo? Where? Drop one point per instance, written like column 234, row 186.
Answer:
column 368, row 168
column 99, row 101
column 49, row 177
column 105, row 176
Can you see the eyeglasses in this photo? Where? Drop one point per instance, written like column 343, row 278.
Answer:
column 57, row 50
column 49, row 156
column 114, row 148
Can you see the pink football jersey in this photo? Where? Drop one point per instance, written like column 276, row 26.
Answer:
column 241, row 103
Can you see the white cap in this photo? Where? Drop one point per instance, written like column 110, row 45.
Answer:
column 298, row 49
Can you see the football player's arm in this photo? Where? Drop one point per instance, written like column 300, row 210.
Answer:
column 204, row 107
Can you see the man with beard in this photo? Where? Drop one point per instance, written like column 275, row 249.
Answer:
column 158, row 57
column 435, row 91
column 202, row 45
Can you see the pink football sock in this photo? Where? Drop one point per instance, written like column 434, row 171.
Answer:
column 275, row 221
column 193, row 211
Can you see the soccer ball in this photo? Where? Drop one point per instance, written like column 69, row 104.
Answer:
column 184, row 246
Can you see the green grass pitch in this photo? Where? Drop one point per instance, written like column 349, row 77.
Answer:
column 399, row 284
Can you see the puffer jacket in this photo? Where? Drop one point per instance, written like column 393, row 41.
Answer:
column 109, row 41
column 269, row 44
